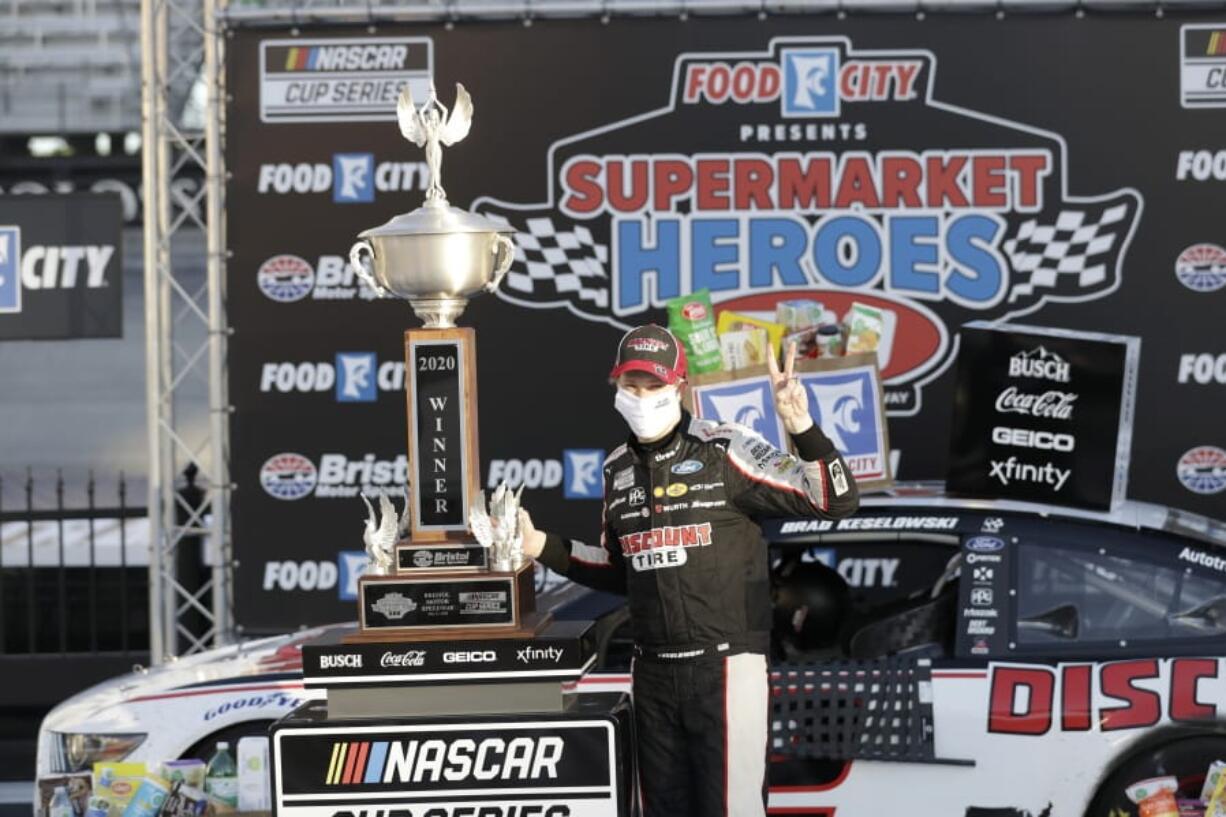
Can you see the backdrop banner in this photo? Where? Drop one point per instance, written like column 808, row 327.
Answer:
column 931, row 169
column 61, row 265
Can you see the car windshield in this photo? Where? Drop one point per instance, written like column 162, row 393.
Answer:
column 1075, row 595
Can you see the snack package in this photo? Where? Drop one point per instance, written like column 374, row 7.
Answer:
column 79, row 786
column 185, row 801
column 1191, row 808
column 830, row 341
column 799, row 314
column 1211, row 780
column 1155, row 797
column 253, row 779
column 148, row 799
column 805, row 340
column 117, row 784
column 692, row 319
column 98, row 807
column 865, row 326
column 1216, row 807
column 735, row 322
column 190, row 772
column 743, row 348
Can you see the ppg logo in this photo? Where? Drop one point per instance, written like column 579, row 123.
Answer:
column 581, row 473
column 810, row 86
column 10, row 281
column 355, row 377
column 353, row 177
column 747, row 402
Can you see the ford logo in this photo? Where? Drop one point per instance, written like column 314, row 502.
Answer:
column 985, row 544
column 687, row 467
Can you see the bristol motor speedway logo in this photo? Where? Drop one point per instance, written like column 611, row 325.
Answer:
column 291, row 476
column 286, row 278
column 814, row 169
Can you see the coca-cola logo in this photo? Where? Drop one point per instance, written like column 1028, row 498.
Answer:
column 411, row 658
column 1052, row 405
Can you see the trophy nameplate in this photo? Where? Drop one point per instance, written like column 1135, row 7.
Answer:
column 431, row 558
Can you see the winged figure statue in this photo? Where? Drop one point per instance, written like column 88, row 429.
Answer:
column 498, row 528
column 381, row 535
column 431, row 125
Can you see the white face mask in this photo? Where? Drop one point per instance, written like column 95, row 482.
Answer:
column 649, row 417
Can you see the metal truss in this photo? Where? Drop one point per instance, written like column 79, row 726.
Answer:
column 190, row 606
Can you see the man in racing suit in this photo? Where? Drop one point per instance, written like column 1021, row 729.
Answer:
column 679, row 539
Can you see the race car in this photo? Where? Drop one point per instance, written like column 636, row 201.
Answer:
column 931, row 656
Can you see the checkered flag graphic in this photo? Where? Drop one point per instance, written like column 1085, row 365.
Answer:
column 1075, row 255
column 557, row 261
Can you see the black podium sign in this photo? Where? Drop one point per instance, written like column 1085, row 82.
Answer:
column 1043, row 415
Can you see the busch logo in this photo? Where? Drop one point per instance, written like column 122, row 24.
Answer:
column 347, row 661
column 1039, row 364
column 796, row 199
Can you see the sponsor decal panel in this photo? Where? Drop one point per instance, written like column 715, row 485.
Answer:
column 973, row 230
column 341, row 80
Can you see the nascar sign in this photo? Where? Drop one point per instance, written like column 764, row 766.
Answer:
column 802, row 189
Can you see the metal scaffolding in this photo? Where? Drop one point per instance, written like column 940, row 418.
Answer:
column 185, row 329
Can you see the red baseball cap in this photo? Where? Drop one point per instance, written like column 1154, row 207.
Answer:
column 652, row 349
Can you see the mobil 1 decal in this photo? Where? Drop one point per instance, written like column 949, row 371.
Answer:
column 497, row 769
column 814, row 167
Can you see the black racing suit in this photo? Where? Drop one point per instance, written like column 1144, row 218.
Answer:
column 680, row 541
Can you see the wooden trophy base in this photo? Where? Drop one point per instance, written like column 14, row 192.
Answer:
column 446, row 605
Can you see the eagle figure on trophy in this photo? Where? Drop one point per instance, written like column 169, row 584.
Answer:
column 498, row 528
column 381, row 536
column 431, row 125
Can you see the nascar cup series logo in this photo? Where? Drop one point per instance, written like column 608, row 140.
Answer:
column 815, row 170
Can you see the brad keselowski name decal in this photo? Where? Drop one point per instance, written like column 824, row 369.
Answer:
column 815, row 169
column 664, row 547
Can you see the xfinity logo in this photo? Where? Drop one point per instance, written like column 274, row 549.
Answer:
column 531, row 655
column 1039, row 364
column 351, row 178
column 469, row 657
column 411, row 658
column 1028, row 438
column 1010, row 471
column 348, row 661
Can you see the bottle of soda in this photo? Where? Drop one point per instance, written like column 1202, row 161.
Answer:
column 221, row 780
column 60, row 805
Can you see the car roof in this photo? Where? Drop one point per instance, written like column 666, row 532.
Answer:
column 1129, row 514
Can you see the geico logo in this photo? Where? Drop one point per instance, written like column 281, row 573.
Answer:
column 337, row 469
column 306, row 575
column 1202, row 368
column 58, row 267
column 529, row 473
column 390, row 177
column 1028, row 438
column 1201, row 165
column 311, row 376
column 469, row 657
column 351, row 661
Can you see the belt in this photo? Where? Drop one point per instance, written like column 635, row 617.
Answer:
column 689, row 652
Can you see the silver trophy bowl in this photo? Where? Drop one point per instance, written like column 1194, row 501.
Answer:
column 436, row 257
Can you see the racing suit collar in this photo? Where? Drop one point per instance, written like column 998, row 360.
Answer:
column 640, row 448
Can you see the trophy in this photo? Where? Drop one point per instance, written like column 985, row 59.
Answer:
column 440, row 581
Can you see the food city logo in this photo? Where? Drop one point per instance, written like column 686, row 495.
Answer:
column 287, row 278
column 442, row 760
column 351, row 377
column 579, row 473
column 1202, row 470
column 1201, row 166
column 292, row 476
column 1202, row 268
column 48, row 267
column 873, row 213
column 1203, row 368
column 350, row 178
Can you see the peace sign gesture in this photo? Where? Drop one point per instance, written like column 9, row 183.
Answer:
column 791, row 400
